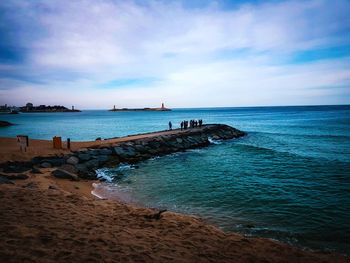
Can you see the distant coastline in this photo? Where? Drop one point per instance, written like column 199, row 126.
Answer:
column 50, row 111
column 144, row 109
column 141, row 109
column 30, row 108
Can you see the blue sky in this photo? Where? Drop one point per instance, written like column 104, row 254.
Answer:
column 96, row 54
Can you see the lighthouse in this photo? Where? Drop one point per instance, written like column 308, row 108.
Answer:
column 163, row 106
column 114, row 108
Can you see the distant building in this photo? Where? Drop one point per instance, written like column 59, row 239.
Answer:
column 43, row 108
column 162, row 106
column 29, row 105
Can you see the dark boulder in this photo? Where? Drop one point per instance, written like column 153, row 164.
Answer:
column 72, row 160
column 105, row 151
column 70, row 168
column 54, row 162
column 4, row 180
column 124, row 152
column 93, row 152
column 35, row 171
column 101, row 158
column 63, row 174
column 113, row 161
column 30, row 185
column 94, row 163
column 140, row 148
column 36, row 160
column 16, row 168
column 118, row 150
column 84, row 157
column 87, row 174
column 46, row 165
column 28, row 164
column 16, row 177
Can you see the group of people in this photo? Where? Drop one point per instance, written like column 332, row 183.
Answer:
column 193, row 124
column 184, row 124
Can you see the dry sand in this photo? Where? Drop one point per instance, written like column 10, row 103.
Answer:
column 71, row 225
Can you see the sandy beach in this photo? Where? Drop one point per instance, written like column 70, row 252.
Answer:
column 46, row 219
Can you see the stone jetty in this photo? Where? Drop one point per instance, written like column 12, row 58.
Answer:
column 84, row 162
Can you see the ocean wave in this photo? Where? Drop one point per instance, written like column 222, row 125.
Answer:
column 112, row 192
column 103, row 173
column 212, row 141
column 124, row 166
column 154, row 158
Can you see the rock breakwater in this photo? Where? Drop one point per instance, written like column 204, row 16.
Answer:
column 83, row 163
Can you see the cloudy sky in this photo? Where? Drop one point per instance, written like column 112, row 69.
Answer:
column 97, row 53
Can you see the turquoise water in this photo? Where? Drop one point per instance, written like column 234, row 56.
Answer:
column 288, row 180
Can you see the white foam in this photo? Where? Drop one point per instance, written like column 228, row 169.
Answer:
column 101, row 173
column 211, row 140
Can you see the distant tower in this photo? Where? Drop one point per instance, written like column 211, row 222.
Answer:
column 162, row 106
column 114, row 108
column 72, row 107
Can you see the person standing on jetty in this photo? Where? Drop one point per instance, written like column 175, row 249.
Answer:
column 200, row 122
column 170, row 125
column 182, row 125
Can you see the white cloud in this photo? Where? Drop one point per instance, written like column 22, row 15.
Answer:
column 85, row 44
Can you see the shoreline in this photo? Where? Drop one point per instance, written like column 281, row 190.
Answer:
column 119, row 230
column 64, row 217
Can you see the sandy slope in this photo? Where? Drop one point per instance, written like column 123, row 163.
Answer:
column 70, row 225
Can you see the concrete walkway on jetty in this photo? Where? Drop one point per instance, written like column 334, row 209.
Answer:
column 85, row 157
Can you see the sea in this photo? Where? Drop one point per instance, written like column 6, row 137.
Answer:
column 287, row 180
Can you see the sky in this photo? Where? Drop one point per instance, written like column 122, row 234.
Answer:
column 98, row 53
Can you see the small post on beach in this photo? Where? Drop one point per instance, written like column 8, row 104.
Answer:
column 68, row 143
column 57, row 142
column 23, row 142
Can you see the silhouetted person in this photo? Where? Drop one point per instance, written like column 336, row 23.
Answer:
column 182, row 125
column 196, row 124
column 200, row 122
column 170, row 125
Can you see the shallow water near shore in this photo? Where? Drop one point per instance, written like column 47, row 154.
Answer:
column 288, row 180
